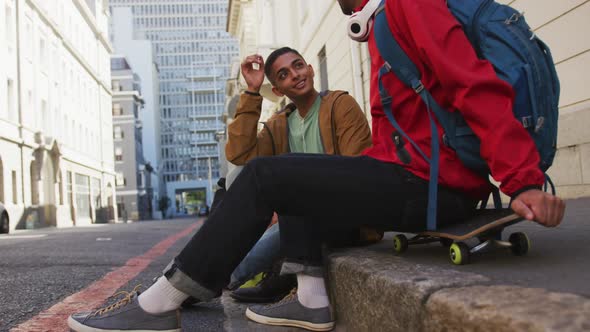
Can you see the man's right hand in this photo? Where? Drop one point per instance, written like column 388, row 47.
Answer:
column 542, row 207
column 253, row 77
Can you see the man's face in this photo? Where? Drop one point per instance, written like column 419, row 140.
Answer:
column 348, row 6
column 291, row 76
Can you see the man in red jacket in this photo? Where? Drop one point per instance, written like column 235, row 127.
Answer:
column 459, row 81
column 338, row 191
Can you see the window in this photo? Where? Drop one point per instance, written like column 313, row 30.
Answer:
column 120, row 180
column 42, row 54
column 8, row 27
column 34, row 184
column 14, row 187
column 323, row 69
column 118, row 154
column 117, row 109
column 72, row 132
column 30, row 106
column 118, row 133
column 70, row 189
column 304, row 8
column 82, row 196
column 28, row 45
column 86, row 139
column 45, row 125
column 96, row 187
column 116, row 86
column 81, row 136
column 10, row 100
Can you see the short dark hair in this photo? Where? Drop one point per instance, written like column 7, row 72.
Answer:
column 273, row 57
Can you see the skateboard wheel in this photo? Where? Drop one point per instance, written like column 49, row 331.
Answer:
column 459, row 253
column 400, row 243
column 520, row 243
column 445, row 242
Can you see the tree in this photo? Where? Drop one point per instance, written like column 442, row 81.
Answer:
column 164, row 204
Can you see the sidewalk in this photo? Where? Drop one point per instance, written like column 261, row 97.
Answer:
column 547, row 290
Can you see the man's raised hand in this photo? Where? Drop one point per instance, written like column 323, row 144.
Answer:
column 254, row 77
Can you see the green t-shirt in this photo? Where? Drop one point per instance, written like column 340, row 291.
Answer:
column 304, row 133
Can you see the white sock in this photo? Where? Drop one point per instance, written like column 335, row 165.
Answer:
column 161, row 297
column 311, row 291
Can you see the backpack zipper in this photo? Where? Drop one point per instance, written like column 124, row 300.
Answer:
column 537, row 121
column 473, row 35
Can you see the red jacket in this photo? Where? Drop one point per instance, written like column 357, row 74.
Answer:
column 459, row 82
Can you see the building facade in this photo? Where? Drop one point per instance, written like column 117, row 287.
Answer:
column 54, row 112
column 133, row 181
column 318, row 31
column 140, row 55
column 193, row 53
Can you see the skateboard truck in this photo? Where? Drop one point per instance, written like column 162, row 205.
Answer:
column 486, row 227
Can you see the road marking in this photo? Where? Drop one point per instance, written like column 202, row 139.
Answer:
column 103, row 239
column 55, row 318
column 17, row 237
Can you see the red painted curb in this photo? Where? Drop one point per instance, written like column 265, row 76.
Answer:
column 55, row 318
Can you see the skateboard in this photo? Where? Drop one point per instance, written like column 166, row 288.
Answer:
column 487, row 226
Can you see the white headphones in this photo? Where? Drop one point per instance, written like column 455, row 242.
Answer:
column 360, row 23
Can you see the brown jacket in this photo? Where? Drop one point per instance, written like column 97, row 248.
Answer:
column 344, row 130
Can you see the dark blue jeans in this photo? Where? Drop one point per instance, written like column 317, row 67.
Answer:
column 332, row 192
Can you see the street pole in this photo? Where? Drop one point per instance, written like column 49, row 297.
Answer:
column 217, row 121
column 210, row 180
column 217, row 116
column 193, row 106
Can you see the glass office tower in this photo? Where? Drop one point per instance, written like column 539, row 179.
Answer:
column 193, row 53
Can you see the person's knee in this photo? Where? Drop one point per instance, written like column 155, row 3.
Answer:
column 258, row 165
column 251, row 169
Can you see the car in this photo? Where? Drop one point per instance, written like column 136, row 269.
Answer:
column 4, row 221
column 203, row 211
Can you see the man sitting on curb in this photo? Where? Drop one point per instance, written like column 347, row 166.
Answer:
column 381, row 188
column 328, row 122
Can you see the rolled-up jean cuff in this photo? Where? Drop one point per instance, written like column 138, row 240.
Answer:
column 185, row 284
column 310, row 270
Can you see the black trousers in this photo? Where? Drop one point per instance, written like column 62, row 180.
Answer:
column 331, row 192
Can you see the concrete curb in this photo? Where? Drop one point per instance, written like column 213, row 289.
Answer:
column 378, row 291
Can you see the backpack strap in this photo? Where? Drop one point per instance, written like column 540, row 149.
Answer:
column 406, row 71
column 549, row 182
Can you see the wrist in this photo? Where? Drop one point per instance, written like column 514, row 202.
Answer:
column 525, row 188
column 515, row 194
column 252, row 92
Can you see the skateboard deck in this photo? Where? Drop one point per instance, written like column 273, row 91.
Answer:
column 485, row 221
column 486, row 225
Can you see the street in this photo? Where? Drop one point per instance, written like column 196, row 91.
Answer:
column 42, row 269
column 47, row 274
